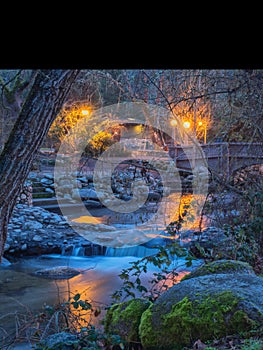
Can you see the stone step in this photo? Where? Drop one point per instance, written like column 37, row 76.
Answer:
column 69, row 208
column 38, row 189
column 47, row 201
column 53, row 202
column 41, row 195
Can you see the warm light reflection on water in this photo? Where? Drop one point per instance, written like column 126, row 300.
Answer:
column 85, row 219
column 187, row 206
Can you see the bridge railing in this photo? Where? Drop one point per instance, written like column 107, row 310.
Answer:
column 222, row 157
column 245, row 149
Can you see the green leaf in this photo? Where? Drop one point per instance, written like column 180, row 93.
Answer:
column 75, row 304
column 138, row 281
column 142, row 289
column 76, row 297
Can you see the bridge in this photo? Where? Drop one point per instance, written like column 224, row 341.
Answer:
column 223, row 158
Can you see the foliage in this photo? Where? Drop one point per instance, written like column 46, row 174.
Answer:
column 242, row 245
column 65, row 122
column 237, row 207
column 73, row 316
column 252, row 344
column 98, row 144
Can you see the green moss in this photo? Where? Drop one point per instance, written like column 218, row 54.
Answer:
column 241, row 322
column 146, row 331
column 220, row 266
column 212, row 317
column 124, row 319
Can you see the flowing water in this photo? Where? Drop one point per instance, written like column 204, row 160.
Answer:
column 24, row 293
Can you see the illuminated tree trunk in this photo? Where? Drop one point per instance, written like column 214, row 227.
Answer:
column 45, row 99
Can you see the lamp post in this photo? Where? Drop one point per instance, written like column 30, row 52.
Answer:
column 186, row 125
column 173, row 123
column 205, row 130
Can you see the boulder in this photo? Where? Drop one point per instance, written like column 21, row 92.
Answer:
column 124, row 319
column 221, row 267
column 218, row 300
column 62, row 341
column 88, row 193
column 59, row 272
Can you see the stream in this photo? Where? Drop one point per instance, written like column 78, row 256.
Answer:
column 22, row 292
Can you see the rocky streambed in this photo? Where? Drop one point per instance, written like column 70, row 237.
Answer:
column 35, row 231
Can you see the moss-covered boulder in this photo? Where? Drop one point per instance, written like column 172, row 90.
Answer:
column 204, row 307
column 124, row 319
column 221, row 266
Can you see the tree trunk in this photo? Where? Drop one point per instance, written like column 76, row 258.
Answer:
column 43, row 103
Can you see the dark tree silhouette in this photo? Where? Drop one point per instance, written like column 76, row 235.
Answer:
column 46, row 97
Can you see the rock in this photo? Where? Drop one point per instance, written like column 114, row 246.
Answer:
column 59, row 272
column 155, row 196
column 7, row 246
column 55, row 341
column 4, row 262
column 221, row 267
column 124, row 319
column 204, row 307
column 67, row 196
column 49, row 190
column 88, row 193
column 91, row 203
column 37, row 238
column 32, row 225
column 24, row 246
column 212, row 240
column 48, row 176
column 46, row 181
column 70, row 234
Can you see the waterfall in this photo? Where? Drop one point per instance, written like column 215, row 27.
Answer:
column 78, row 251
column 139, row 251
column 73, row 250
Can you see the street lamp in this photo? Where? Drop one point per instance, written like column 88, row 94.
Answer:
column 85, row 112
column 186, row 125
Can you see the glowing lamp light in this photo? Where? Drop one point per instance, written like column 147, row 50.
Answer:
column 200, row 123
column 173, row 122
column 85, row 112
column 186, row 125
